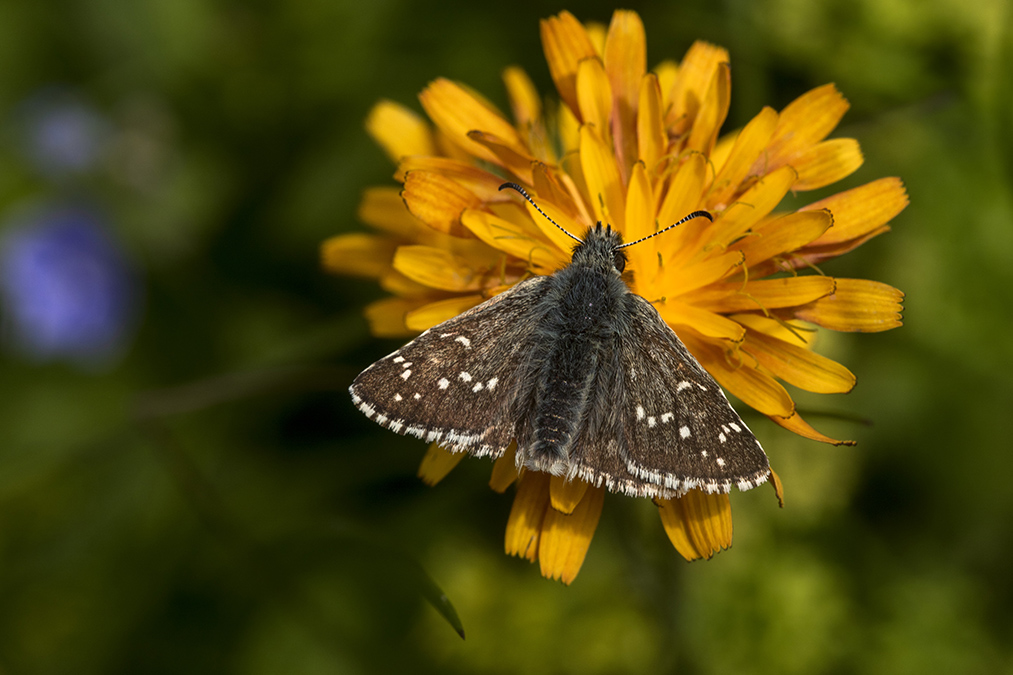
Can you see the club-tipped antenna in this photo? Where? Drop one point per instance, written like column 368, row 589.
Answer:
column 695, row 214
column 515, row 186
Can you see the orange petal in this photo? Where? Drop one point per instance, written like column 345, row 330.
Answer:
column 804, row 122
column 429, row 315
column 387, row 317
column 527, row 514
column 566, row 538
column 456, row 111
column 750, row 385
column 797, row 425
column 754, row 205
column 383, row 208
column 550, row 186
column 514, row 240
column 399, row 131
column 826, row 163
column 651, row 139
column 438, row 201
column 625, row 56
column 515, row 159
column 604, row 185
column 437, row 463
column 594, row 96
column 504, row 470
column 862, row 210
column 713, row 111
column 781, row 235
column 358, row 254
column 762, row 294
column 566, row 44
column 798, row 366
column 696, row 74
column 858, row 305
column 708, row 521
column 814, row 254
column 749, row 143
column 566, row 494
column 481, row 183
column 704, row 322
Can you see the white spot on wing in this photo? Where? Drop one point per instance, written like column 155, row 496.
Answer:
column 417, row 396
column 735, row 427
column 465, row 376
column 682, row 385
column 666, row 417
column 720, row 461
column 444, row 383
column 640, row 412
column 722, row 437
column 684, row 432
column 397, row 397
column 398, row 359
column 406, row 374
column 651, row 421
column 477, row 387
column 491, row 384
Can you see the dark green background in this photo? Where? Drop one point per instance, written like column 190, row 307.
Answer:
column 214, row 504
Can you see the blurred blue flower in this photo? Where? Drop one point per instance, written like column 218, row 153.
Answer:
column 59, row 132
column 67, row 290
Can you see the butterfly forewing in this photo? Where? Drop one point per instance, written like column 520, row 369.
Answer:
column 679, row 430
column 454, row 383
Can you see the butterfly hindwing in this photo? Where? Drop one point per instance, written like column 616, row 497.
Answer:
column 454, row 383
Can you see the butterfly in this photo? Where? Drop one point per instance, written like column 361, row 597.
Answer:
column 580, row 372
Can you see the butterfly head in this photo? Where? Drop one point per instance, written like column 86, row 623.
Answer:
column 601, row 249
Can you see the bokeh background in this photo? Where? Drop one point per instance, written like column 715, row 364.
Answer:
column 185, row 487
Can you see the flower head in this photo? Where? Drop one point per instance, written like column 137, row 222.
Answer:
column 637, row 149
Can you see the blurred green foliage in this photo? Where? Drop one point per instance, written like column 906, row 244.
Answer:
column 212, row 503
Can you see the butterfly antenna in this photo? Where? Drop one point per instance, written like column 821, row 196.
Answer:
column 515, row 186
column 695, row 214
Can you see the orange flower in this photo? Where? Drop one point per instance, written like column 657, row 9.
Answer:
column 637, row 149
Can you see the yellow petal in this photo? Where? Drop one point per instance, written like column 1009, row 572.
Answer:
column 673, row 519
column 526, row 105
column 566, row 44
column 858, row 305
column 797, row 333
column 438, row 201
column 652, row 143
column 566, row 494
column 797, row 425
column 386, row 317
column 708, row 521
column 706, row 323
column 514, row 240
column 683, row 196
column 557, row 237
column 749, row 143
column 862, row 210
column 713, row 111
column 527, row 514
column 551, row 186
column 481, row 183
column 696, row 74
column 399, row 131
column 762, row 294
column 703, row 272
column 396, row 283
column 604, row 185
column 753, row 206
column 626, row 63
column 800, row 367
column 782, row 235
column 814, row 253
column 668, row 73
column 826, row 163
column 804, row 122
column 504, row 470
column 456, row 111
column 515, row 159
column 750, row 385
column 363, row 255
column 434, row 313
column 437, row 268
column 437, row 463
column 594, row 96
column 775, row 481
column 640, row 220
column 566, row 538
column 383, row 208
